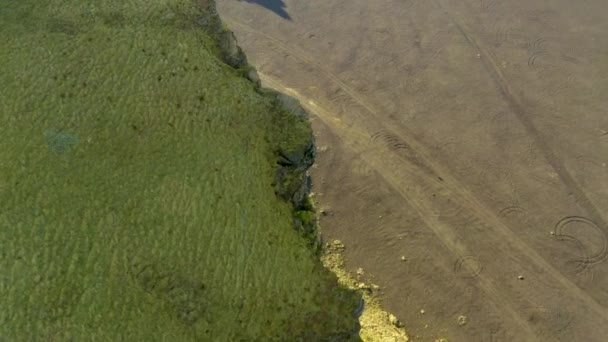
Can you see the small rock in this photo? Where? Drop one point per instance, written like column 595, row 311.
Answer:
column 375, row 287
column 403, row 258
column 462, row 320
column 360, row 271
column 520, row 277
column 422, row 311
column 552, row 233
column 231, row 52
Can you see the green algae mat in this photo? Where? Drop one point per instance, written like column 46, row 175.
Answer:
column 135, row 186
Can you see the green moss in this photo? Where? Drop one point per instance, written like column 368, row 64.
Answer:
column 306, row 217
column 136, row 188
column 308, row 204
column 290, row 133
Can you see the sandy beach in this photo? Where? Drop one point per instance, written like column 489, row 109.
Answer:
column 462, row 152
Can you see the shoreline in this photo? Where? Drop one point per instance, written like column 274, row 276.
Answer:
column 376, row 323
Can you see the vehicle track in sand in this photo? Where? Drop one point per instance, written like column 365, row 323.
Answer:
column 395, row 173
column 415, row 151
column 358, row 141
column 518, row 109
column 398, row 157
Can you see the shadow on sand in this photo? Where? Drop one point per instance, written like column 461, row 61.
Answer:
column 277, row 6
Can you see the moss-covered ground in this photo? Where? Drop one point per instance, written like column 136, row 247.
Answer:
column 135, row 185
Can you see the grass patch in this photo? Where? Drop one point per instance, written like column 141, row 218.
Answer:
column 136, row 185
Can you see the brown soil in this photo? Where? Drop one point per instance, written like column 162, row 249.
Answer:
column 468, row 136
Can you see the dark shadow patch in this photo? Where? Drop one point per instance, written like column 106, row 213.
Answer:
column 277, row 6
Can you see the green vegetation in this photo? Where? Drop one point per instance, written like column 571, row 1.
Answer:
column 135, row 184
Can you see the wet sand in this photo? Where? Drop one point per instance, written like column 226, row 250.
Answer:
column 468, row 136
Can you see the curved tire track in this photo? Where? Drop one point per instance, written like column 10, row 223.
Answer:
column 585, row 261
column 516, row 105
column 468, row 267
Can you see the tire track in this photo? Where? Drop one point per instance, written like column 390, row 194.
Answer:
column 488, row 6
column 584, row 260
column 434, row 47
column 542, row 17
column 360, row 140
column 443, row 231
column 395, row 143
column 570, row 59
column 512, row 210
column 468, row 267
column 591, row 160
column 502, row 34
column 566, row 85
column 537, row 53
column 516, row 105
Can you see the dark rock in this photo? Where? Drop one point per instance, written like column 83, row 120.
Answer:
column 299, row 198
column 232, row 54
column 253, row 76
column 301, row 158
